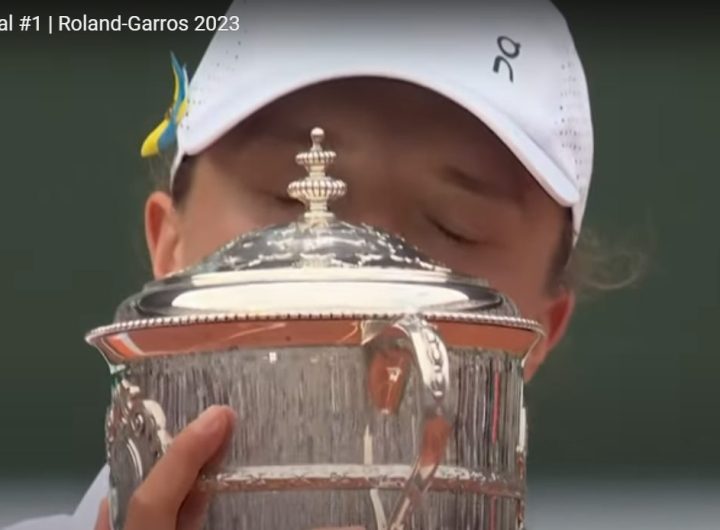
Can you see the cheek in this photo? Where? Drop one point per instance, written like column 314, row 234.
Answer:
column 218, row 210
column 205, row 230
column 524, row 289
column 198, row 240
column 514, row 273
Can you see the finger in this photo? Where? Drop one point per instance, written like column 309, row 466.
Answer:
column 103, row 518
column 193, row 511
column 215, row 462
column 158, row 499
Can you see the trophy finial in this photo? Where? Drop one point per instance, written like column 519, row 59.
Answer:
column 317, row 189
column 317, row 135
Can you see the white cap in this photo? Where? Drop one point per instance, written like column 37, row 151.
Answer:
column 511, row 63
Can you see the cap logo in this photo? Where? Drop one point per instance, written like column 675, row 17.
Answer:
column 509, row 49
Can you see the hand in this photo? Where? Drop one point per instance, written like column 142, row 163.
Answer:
column 166, row 500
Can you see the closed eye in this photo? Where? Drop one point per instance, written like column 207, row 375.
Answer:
column 288, row 201
column 454, row 236
column 282, row 199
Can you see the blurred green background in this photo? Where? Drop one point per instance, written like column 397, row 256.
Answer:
column 632, row 392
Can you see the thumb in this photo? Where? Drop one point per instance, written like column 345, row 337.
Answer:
column 103, row 518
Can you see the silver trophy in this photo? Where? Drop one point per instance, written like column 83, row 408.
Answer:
column 373, row 387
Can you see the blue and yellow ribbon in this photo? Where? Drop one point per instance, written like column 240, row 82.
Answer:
column 163, row 136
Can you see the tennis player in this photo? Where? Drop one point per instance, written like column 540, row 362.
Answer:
column 464, row 127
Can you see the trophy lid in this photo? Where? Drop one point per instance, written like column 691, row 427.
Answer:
column 317, row 267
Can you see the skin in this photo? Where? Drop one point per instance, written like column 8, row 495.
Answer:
column 416, row 164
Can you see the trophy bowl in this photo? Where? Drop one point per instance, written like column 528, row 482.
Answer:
column 373, row 387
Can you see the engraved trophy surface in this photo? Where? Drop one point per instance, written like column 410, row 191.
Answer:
column 373, row 387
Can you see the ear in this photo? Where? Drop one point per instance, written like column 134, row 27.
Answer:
column 555, row 320
column 162, row 234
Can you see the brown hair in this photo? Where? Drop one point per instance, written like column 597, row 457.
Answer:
column 597, row 265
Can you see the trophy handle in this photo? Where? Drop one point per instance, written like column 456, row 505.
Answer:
column 135, row 438
column 388, row 374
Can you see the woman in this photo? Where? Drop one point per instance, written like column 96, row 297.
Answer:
column 465, row 130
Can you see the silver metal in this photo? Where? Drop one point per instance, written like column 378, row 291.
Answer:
column 312, row 332
column 317, row 189
column 135, row 436
column 432, row 361
column 356, row 476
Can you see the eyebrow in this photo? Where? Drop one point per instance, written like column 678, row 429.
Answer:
column 507, row 188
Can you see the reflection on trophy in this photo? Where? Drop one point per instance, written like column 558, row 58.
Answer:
column 373, row 387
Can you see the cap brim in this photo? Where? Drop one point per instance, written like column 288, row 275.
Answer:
column 226, row 112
